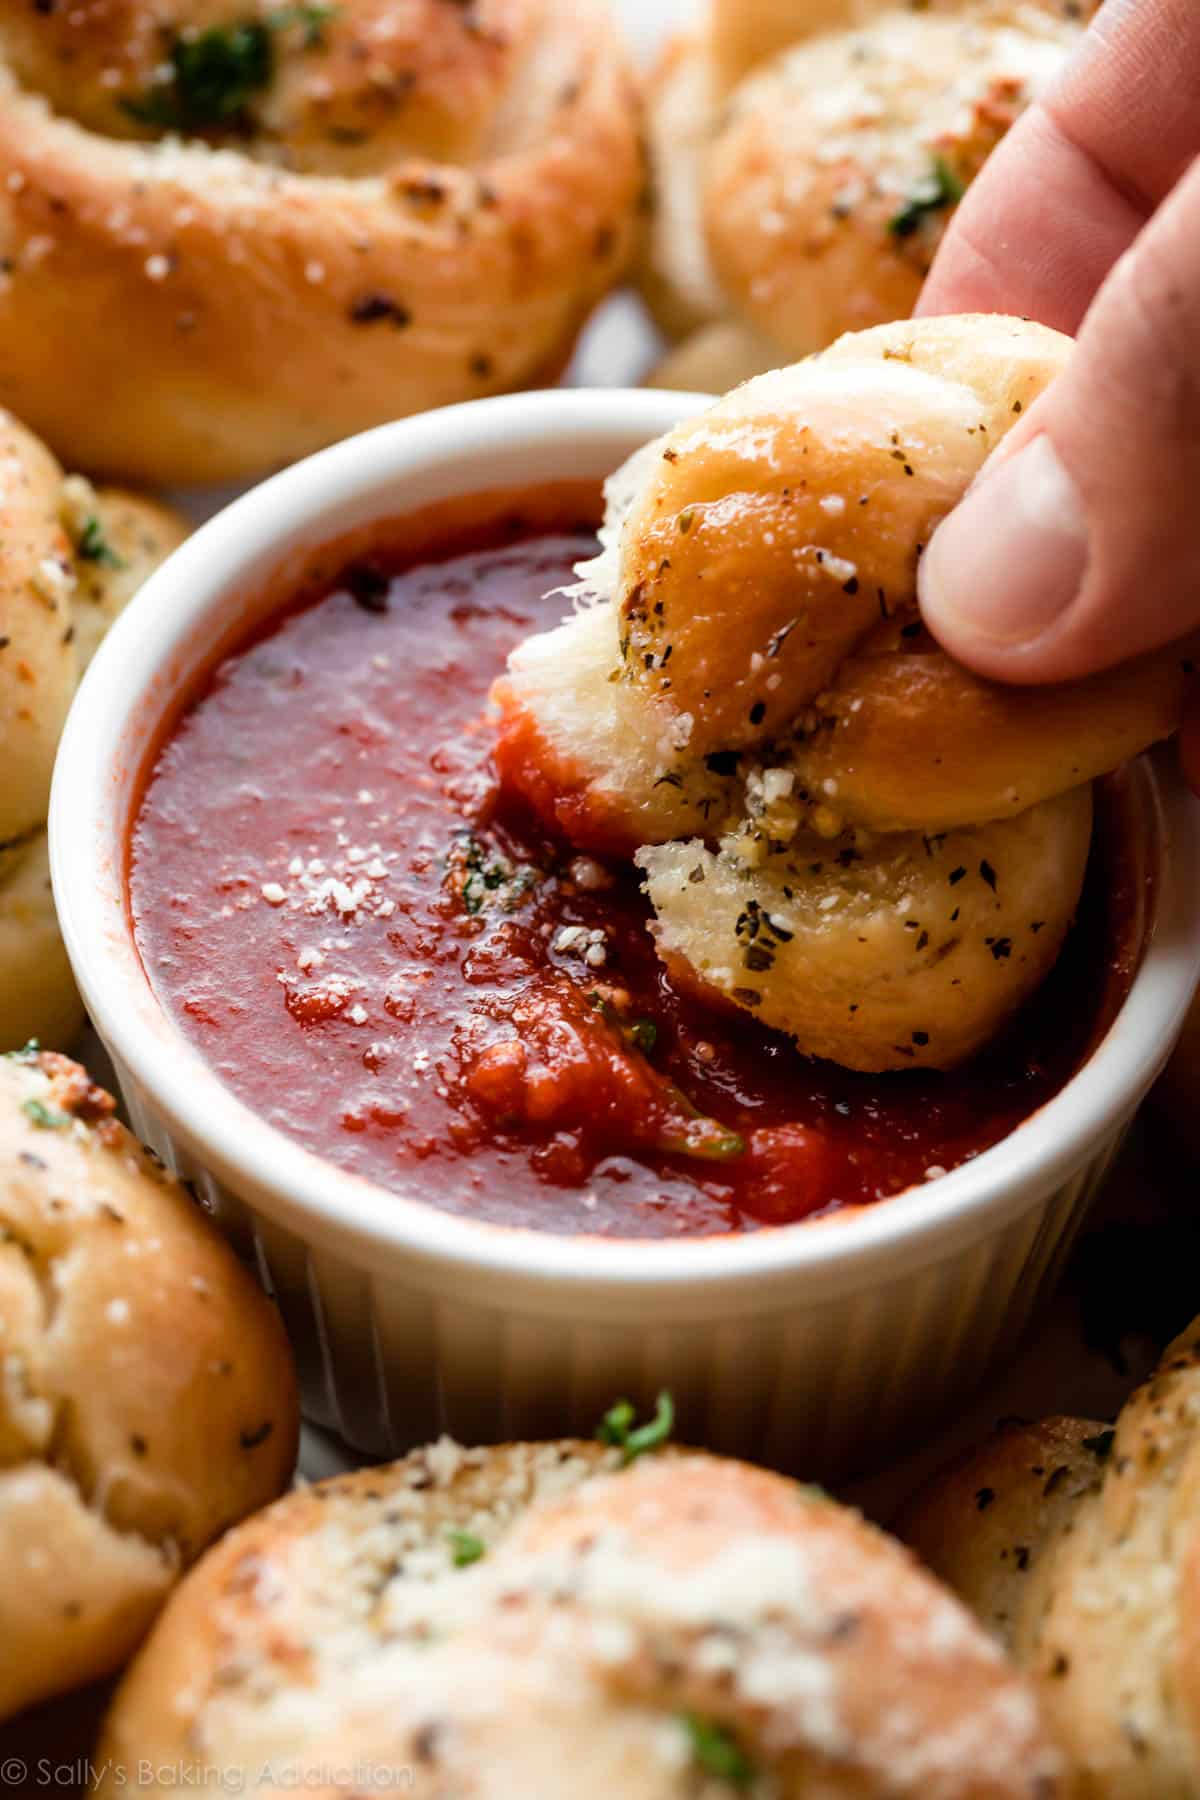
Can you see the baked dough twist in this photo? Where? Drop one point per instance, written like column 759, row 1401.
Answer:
column 806, row 161
column 486, row 1620
column 70, row 558
column 1077, row 1545
column 752, row 705
column 283, row 224
column 146, row 1391
column 913, row 950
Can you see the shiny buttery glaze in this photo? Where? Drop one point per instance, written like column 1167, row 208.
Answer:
column 389, row 962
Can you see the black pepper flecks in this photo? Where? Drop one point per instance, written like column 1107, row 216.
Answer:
column 368, row 585
column 376, row 308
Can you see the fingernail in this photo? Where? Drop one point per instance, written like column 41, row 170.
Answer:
column 1010, row 559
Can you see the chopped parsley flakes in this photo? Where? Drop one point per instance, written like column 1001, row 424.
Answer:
column 933, row 192
column 465, row 1548
column 46, row 1118
column 684, row 1129
column 209, row 78
column 618, row 1427
column 479, row 878
column 716, row 1750
column 640, row 1034
column 689, row 1132
column 93, row 545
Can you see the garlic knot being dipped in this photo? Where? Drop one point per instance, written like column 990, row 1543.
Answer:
column 842, row 830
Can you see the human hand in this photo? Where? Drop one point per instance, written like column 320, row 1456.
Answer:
column 1079, row 545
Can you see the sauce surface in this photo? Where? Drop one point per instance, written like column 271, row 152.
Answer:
column 386, row 960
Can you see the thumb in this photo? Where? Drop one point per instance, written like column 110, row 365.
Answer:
column 1078, row 544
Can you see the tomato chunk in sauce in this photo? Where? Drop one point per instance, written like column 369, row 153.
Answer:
column 389, row 961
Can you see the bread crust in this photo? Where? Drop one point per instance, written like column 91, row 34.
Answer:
column 148, row 1398
column 807, row 159
column 911, row 954
column 136, row 534
column 71, row 557
column 742, row 38
column 419, row 205
column 748, row 703
column 37, row 664
column 913, row 741
column 263, row 1646
column 714, row 358
column 607, row 1606
column 38, row 996
column 1102, row 1604
column 798, row 505
column 832, row 183
column 675, row 274
column 984, row 1523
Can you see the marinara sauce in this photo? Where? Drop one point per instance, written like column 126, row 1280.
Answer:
column 391, row 962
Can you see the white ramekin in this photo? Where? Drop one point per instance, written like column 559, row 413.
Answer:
column 815, row 1347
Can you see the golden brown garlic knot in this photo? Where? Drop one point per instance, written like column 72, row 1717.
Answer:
column 282, row 222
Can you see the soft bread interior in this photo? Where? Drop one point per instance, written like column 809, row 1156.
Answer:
column 574, row 740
